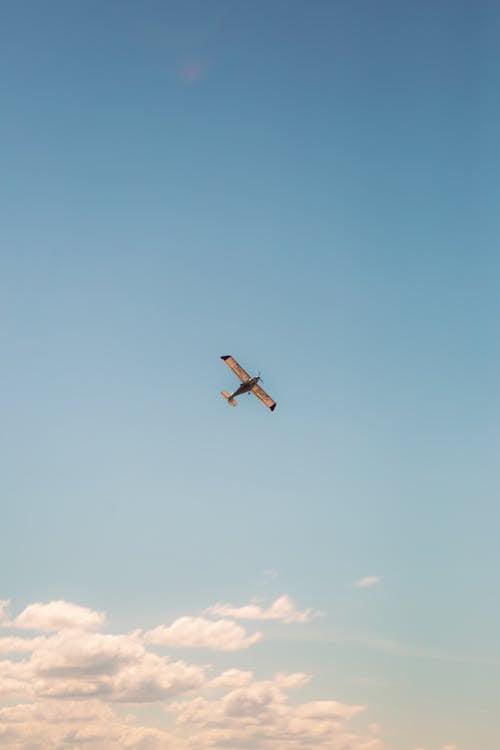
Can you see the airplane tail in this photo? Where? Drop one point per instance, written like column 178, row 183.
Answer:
column 228, row 398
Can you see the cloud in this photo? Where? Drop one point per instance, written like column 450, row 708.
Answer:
column 56, row 615
column 293, row 680
column 282, row 609
column 61, row 688
column 328, row 711
column 52, row 725
column 197, row 632
column 15, row 679
column 79, row 653
column 77, row 664
column 261, row 715
column 268, row 576
column 367, row 581
column 231, row 678
column 14, row 645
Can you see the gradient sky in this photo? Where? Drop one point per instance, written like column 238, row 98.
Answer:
column 311, row 187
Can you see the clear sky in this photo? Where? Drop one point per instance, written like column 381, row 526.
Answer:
column 311, row 187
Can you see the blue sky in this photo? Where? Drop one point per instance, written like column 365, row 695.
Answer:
column 310, row 187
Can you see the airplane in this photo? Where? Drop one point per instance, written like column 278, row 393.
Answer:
column 248, row 385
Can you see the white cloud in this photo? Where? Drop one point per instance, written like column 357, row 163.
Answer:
column 15, row 679
column 56, row 615
column 283, row 609
column 117, row 667
column 15, row 645
column 78, row 653
column 60, row 690
column 90, row 725
column 367, row 581
column 197, row 632
column 328, row 710
column 231, row 678
column 155, row 678
column 260, row 715
column 293, row 680
column 76, row 664
column 254, row 700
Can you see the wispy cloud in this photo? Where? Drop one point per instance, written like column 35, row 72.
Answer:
column 367, row 581
column 282, row 609
column 266, row 578
column 375, row 642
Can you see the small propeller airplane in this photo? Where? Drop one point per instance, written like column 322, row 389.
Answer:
column 248, row 385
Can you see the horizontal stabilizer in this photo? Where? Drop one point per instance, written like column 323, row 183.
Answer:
column 228, row 398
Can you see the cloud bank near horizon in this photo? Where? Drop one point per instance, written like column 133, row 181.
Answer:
column 63, row 678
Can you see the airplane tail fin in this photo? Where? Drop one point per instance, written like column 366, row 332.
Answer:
column 228, row 398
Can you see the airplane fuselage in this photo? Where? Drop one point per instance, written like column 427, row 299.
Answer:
column 246, row 386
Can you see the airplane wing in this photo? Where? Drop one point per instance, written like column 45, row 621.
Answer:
column 262, row 395
column 235, row 367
